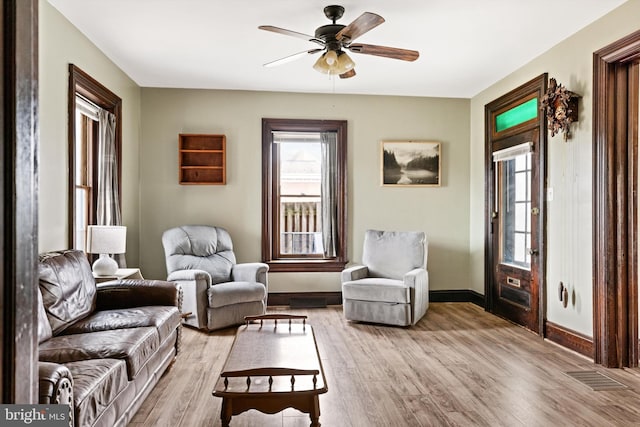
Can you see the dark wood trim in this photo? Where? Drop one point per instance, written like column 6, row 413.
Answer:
column 270, row 224
column 19, row 224
column 284, row 298
column 572, row 340
column 457, row 295
column 615, row 260
column 498, row 140
column 82, row 83
column 335, row 298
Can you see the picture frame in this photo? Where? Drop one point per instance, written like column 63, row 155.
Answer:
column 410, row 163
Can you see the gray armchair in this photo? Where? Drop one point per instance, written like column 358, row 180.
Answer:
column 217, row 291
column 392, row 285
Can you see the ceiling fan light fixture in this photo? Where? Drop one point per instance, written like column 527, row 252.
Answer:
column 331, row 57
column 321, row 66
column 345, row 63
column 333, row 63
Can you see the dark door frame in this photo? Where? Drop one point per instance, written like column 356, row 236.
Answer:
column 493, row 140
column 615, row 208
column 19, row 187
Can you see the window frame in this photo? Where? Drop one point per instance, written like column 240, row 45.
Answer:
column 81, row 83
column 270, row 219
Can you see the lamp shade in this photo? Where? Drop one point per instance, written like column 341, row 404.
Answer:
column 106, row 239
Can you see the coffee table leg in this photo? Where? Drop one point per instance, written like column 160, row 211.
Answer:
column 225, row 412
column 314, row 412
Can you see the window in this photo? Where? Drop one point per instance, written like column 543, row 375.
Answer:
column 86, row 136
column 94, row 172
column 304, row 194
column 516, row 205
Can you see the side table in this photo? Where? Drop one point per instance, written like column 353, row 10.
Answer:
column 121, row 273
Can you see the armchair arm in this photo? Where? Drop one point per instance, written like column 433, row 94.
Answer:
column 194, row 284
column 137, row 293
column 55, row 384
column 250, row 272
column 199, row 275
column 355, row 272
column 418, row 282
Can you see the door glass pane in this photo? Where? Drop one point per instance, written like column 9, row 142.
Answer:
column 515, row 210
column 300, row 166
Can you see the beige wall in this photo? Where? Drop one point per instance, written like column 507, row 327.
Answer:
column 60, row 44
column 441, row 212
column 569, row 228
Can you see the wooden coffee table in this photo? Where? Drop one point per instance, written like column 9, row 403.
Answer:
column 272, row 366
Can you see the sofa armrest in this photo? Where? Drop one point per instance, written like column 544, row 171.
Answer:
column 137, row 293
column 55, row 384
column 250, row 272
column 355, row 272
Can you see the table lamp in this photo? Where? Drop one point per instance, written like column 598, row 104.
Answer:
column 106, row 240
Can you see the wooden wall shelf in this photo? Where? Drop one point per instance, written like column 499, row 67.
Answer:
column 202, row 159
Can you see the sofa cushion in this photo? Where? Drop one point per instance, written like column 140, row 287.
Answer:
column 96, row 383
column 134, row 346
column 235, row 293
column 68, row 287
column 376, row 289
column 166, row 319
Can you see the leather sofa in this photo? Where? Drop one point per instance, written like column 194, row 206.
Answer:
column 102, row 347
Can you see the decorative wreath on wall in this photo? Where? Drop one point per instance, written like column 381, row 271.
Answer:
column 561, row 108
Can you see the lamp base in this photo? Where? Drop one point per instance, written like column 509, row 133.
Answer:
column 105, row 266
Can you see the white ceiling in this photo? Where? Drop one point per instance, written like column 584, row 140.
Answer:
column 465, row 45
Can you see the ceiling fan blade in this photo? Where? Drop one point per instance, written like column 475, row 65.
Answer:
column 348, row 74
column 291, row 33
column 387, row 52
column 291, row 57
column 363, row 23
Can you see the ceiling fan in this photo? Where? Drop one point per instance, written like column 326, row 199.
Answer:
column 334, row 39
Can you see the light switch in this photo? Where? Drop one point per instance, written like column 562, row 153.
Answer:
column 549, row 194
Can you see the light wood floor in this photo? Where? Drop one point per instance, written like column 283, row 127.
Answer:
column 459, row 366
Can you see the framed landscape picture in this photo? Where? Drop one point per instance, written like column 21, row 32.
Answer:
column 414, row 163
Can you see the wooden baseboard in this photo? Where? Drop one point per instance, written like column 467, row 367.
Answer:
column 457, row 295
column 567, row 338
column 314, row 299
column 318, row 299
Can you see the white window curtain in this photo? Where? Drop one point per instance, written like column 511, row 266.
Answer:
column 328, row 193
column 108, row 206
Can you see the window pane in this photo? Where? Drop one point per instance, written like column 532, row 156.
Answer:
column 521, row 217
column 300, row 208
column 80, row 218
column 521, row 187
column 520, row 243
column 519, row 114
column 515, row 210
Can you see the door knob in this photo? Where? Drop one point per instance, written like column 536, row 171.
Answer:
column 533, row 252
